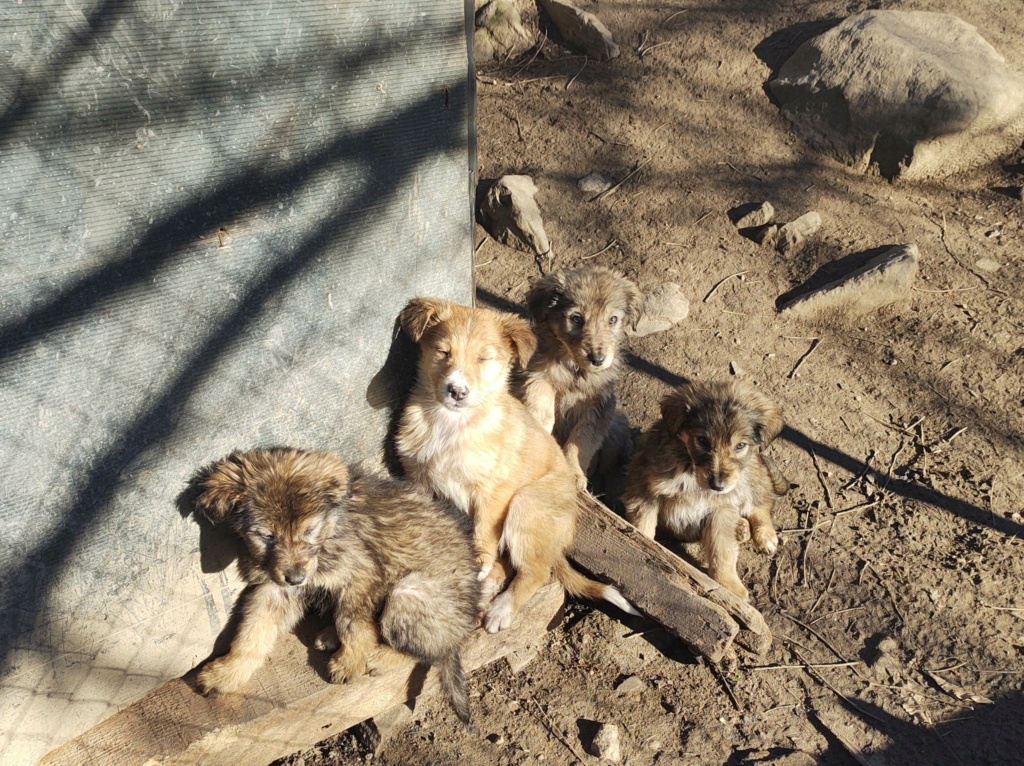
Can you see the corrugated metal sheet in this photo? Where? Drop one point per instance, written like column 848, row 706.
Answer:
column 210, row 214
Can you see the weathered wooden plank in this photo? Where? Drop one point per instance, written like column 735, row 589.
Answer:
column 700, row 612
column 289, row 706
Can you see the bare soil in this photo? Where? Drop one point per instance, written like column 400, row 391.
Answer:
column 902, row 549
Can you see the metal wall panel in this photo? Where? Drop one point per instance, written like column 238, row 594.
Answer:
column 210, row 214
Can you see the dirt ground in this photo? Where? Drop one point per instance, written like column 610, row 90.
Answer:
column 901, row 557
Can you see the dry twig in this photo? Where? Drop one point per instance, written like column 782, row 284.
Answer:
column 721, row 282
column 610, row 191
column 814, row 345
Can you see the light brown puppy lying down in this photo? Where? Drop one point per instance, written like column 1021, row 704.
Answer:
column 699, row 474
column 465, row 436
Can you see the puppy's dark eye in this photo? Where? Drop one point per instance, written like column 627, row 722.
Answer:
column 613, row 321
column 576, row 319
column 704, row 443
column 740, row 446
column 442, row 354
column 264, row 535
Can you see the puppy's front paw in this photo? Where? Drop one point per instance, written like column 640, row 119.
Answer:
column 499, row 614
column 225, row 675
column 737, row 588
column 742, row 531
column 344, row 666
column 765, row 540
column 485, row 570
column 327, row 640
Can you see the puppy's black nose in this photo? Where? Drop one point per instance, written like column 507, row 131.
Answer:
column 457, row 392
column 295, row 576
column 716, row 483
column 596, row 358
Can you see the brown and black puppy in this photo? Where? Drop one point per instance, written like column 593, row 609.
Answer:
column 699, row 472
column 397, row 566
column 463, row 435
column 580, row 317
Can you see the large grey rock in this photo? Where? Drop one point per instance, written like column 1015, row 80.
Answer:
column 499, row 31
column 664, row 306
column 760, row 216
column 883, row 280
column 915, row 94
column 509, row 212
column 581, row 29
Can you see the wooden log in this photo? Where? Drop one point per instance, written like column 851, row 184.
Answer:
column 700, row 612
column 289, row 706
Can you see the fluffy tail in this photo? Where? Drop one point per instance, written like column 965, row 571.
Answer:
column 583, row 587
column 780, row 484
column 453, row 681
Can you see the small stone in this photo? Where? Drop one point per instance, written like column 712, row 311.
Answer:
column 605, row 744
column 883, row 280
column 793, row 234
column 988, row 265
column 736, row 370
column 630, row 685
column 766, row 236
column 519, row 659
column 509, row 212
column 664, row 306
column 513, row 706
column 581, row 29
column 595, row 183
column 496, row 739
column 761, row 216
column 654, row 745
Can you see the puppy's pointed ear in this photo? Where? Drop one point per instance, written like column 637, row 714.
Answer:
column 676, row 406
column 222, row 485
column 519, row 336
column 545, row 295
column 767, row 417
column 420, row 314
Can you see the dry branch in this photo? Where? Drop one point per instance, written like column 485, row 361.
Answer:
column 692, row 606
column 288, row 708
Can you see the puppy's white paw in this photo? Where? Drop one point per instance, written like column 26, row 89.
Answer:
column 327, row 640
column 742, row 531
column 766, row 541
column 499, row 614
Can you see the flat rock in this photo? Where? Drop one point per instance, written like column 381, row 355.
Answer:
column 509, row 212
column 883, row 280
column 760, row 216
column 987, row 265
column 581, row 30
column 605, row 744
column 663, row 307
column 631, row 685
column 791, row 235
column 909, row 93
column 595, row 183
column 499, row 31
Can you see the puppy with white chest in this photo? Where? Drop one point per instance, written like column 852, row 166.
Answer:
column 397, row 567
column 463, row 435
column 580, row 316
column 698, row 473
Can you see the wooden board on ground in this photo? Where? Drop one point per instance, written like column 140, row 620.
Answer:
column 695, row 608
column 288, row 708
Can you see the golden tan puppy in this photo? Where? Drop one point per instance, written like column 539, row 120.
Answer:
column 698, row 473
column 580, row 316
column 464, row 436
column 397, row 566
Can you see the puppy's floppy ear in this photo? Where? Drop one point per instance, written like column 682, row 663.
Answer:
column 222, row 487
column 520, row 337
column 767, row 416
column 420, row 314
column 333, row 479
column 634, row 300
column 545, row 295
column 676, row 406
